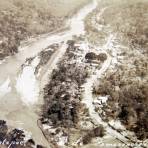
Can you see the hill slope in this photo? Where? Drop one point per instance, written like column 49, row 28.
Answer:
column 21, row 19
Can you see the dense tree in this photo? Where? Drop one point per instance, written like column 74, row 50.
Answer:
column 62, row 96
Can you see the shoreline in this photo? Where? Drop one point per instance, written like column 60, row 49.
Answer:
column 27, row 40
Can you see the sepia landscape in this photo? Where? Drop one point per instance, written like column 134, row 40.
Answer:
column 74, row 74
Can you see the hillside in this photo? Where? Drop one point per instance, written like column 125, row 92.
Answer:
column 22, row 19
column 126, row 24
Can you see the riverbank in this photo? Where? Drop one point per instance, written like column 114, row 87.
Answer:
column 22, row 20
column 20, row 111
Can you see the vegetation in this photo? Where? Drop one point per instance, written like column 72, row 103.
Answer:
column 128, row 97
column 62, row 96
column 127, row 84
column 92, row 56
column 21, row 20
column 45, row 56
column 14, row 138
column 96, row 132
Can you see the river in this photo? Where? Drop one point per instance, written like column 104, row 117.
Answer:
column 17, row 107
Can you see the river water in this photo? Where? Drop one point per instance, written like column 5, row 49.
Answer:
column 18, row 107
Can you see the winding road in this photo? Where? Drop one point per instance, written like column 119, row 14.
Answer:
column 15, row 105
